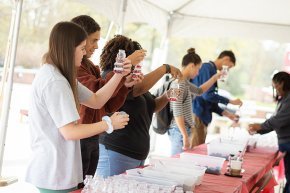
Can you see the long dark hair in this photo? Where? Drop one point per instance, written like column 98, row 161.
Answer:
column 110, row 51
column 190, row 57
column 63, row 40
column 279, row 78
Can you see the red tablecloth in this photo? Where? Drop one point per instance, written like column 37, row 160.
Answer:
column 256, row 163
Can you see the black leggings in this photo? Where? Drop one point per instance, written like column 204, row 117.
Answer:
column 286, row 148
column 90, row 155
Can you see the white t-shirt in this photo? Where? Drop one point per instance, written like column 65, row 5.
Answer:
column 56, row 163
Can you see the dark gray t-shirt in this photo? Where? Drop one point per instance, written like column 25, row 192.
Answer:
column 280, row 121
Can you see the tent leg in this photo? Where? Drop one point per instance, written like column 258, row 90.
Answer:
column 7, row 181
column 8, row 91
column 109, row 31
column 123, row 13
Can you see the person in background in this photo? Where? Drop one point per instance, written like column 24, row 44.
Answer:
column 55, row 166
column 280, row 121
column 89, row 75
column 121, row 151
column 180, row 127
column 207, row 103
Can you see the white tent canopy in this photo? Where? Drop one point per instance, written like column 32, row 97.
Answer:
column 257, row 19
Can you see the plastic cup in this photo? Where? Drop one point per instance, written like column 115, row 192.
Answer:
column 224, row 73
column 174, row 92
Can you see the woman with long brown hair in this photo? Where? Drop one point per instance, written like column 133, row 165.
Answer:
column 53, row 112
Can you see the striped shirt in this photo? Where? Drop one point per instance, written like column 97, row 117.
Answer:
column 183, row 106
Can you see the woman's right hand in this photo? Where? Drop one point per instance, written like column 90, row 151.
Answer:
column 175, row 72
column 119, row 120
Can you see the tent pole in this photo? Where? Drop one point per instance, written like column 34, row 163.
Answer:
column 8, row 91
column 123, row 13
column 7, row 58
column 165, row 41
column 109, row 31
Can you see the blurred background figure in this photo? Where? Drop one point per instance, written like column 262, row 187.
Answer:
column 205, row 105
column 180, row 127
column 280, row 121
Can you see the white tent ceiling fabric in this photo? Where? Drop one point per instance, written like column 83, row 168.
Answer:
column 260, row 19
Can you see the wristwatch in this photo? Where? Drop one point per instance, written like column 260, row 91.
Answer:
column 168, row 69
column 109, row 123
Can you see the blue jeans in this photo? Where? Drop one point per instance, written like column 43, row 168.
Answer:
column 176, row 140
column 286, row 148
column 113, row 163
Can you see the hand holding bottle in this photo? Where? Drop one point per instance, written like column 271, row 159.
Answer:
column 137, row 56
column 137, row 71
column 224, row 73
column 175, row 72
column 119, row 64
column 129, row 82
column 119, row 120
column 217, row 76
column 253, row 128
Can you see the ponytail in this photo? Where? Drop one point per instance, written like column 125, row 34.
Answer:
column 191, row 57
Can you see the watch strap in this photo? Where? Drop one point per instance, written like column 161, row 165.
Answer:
column 168, row 69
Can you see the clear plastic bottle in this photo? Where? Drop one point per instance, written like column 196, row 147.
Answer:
column 240, row 156
column 118, row 66
column 178, row 189
column 137, row 71
column 174, row 93
column 88, row 188
column 224, row 73
column 238, row 115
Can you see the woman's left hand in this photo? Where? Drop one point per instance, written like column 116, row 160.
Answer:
column 137, row 56
column 126, row 67
column 186, row 144
column 253, row 128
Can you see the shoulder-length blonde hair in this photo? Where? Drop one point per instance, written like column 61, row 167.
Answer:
column 63, row 40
